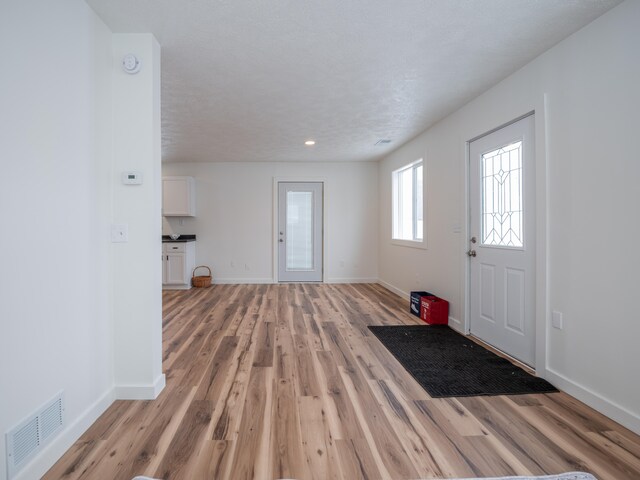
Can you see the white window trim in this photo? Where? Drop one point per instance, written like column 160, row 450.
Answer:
column 421, row 244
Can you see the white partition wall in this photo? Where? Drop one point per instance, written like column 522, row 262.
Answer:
column 236, row 225
column 137, row 270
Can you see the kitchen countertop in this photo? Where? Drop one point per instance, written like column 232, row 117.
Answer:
column 180, row 239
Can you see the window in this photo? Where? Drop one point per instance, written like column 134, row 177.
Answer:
column 408, row 222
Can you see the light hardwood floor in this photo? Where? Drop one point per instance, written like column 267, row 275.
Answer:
column 285, row 381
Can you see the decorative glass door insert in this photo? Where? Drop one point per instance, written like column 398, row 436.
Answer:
column 502, row 199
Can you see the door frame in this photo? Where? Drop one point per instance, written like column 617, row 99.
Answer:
column 274, row 223
column 542, row 310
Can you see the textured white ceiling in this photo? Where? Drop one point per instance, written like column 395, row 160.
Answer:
column 252, row 80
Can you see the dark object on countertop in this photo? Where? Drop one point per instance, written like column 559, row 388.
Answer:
column 180, row 239
column 448, row 364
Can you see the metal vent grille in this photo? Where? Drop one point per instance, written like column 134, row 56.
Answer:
column 28, row 438
column 51, row 419
column 25, row 441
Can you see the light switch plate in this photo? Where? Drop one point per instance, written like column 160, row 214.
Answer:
column 119, row 233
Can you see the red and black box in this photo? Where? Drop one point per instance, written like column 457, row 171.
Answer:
column 434, row 310
column 414, row 303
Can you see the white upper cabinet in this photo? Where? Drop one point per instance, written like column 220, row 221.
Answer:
column 178, row 197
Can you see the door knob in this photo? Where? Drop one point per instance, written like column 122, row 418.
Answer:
column 281, row 240
column 471, row 253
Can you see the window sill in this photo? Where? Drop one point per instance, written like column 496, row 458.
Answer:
column 422, row 245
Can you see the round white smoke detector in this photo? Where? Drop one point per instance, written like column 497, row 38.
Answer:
column 130, row 63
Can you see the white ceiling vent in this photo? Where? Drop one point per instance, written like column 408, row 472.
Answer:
column 30, row 436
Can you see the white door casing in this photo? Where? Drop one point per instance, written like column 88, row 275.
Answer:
column 502, row 224
column 300, row 231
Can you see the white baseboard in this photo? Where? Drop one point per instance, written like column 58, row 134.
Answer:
column 352, row 280
column 605, row 406
column 176, row 287
column 58, row 446
column 140, row 392
column 395, row 290
column 596, row 401
column 243, row 281
column 253, row 281
column 453, row 322
column 457, row 325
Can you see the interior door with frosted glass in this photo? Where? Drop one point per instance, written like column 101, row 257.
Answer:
column 300, row 232
column 502, row 239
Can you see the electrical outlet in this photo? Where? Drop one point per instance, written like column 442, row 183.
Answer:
column 556, row 320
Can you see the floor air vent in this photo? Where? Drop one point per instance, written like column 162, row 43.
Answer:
column 28, row 438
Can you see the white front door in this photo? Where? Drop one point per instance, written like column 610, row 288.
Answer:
column 502, row 243
column 300, row 232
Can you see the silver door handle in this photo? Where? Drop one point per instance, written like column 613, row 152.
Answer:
column 281, row 240
column 471, row 253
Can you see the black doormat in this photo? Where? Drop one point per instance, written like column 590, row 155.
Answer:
column 448, row 364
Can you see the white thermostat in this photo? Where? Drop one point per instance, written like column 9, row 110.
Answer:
column 132, row 178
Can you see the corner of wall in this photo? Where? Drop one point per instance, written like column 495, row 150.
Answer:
column 45, row 459
column 595, row 400
column 140, row 392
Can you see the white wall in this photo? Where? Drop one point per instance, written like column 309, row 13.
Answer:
column 55, row 120
column 234, row 222
column 77, row 313
column 588, row 159
column 137, row 270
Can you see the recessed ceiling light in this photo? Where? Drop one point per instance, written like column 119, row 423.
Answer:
column 310, row 142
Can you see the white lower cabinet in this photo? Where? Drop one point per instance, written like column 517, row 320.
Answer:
column 178, row 262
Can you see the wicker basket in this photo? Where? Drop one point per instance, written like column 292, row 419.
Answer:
column 201, row 281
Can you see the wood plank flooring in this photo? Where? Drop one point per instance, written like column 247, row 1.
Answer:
column 285, row 381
